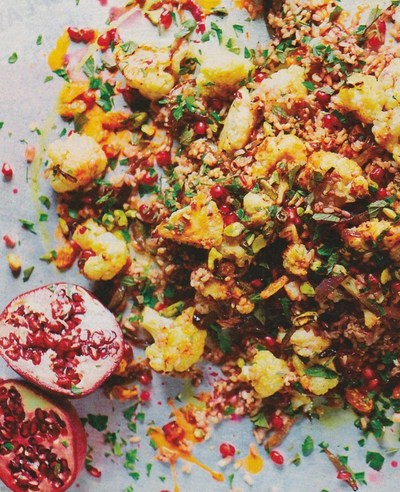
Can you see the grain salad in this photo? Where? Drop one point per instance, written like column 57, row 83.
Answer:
column 239, row 206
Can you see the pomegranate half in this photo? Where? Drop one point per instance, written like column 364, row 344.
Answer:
column 42, row 440
column 61, row 338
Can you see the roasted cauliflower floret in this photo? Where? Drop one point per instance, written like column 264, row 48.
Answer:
column 310, row 377
column 297, row 259
column 146, row 69
column 199, row 224
column 221, row 71
column 239, row 122
column 284, row 86
column 75, row 162
column 386, row 130
column 266, row 373
column 389, row 81
column 110, row 252
column 273, row 150
column 308, row 344
column 257, row 206
column 373, row 234
column 70, row 102
column 345, row 182
column 363, row 95
column 178, row 344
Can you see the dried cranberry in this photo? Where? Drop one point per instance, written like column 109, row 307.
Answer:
column 147, row 213
column 276, row 457
column 218, row 192
column 200, row 128
column 331, row 122
column 292, row 217
column 259, row 77
column 377, row 174
column 271, row 342
column 166, row 19
column 368, row 373
column 277, row 422
column 227, row 449
column 87, row 35
column 149, row 178
column 7, row 171
column 382, row 193
column 230, row 218
column 163, row 158
column 373, row 384
column 225, row 209
column 322, row 97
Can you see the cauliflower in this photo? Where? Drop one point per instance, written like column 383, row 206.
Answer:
column 257, row 206
column 239, row 122
column 363, row 95
column 386, row 130
column 231, row 249
column 274, row 150
column 70, row 103
column 75, row 162
column 283, row 87
column 221, row 72
column 297, row 259
column 146, row 70
column 178, row 344
column 345, row 182
column 266, row 373
column 389, row 81
column 110, row 252
column 318, row 385
column 307, row 344
column 373, row 234
column 199, row 224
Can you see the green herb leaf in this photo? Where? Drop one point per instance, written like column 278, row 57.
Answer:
column 319, row 371
column 39, row 40
column 98, row 422
column 88, row 67
column 61, row 72
column 28, row 225
column 13, row 58
column 308, row 446
column 187, row 27
column 374, row 460
column 26, row 274
column 45, row 201
column 223, row 338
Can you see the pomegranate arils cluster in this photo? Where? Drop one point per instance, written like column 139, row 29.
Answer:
column 55, row 336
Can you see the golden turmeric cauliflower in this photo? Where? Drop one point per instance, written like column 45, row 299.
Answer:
column 239, row 122
column 307, row 343
column 345, row 182
column 146, row 69
column 386, row 130
column 221, row 71
column 110, row 252
column 70, row 103
column 363, row 95
column 389, row 81
column 75, row 162
column 318, row 376
column 178, row 344
column 266, row 373
column 297, row 259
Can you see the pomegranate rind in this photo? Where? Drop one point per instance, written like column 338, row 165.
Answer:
column 61, row 338
column 70, row 445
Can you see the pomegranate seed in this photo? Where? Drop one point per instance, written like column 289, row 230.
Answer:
column 368, row 373
column 292, row 217
column 343, row 475
column 104, row 40
column 375, row 42
column 163, row 158
column 166, row 19
column 216, row 104
column 200, row 128
column 259, row 77
column 87, row 35
column 382, row 193
column 271, row 342
column 373, row 384
column 173, row 433
column 145, row 395
column 381, row 27
column 145, row 378
column 276, row 457
column 377, row 174
column 7, row 171
column 218, row 192
column 396, row 286
column 8, row 241
column 331, row 122
column 89, row 98
column 225, row 209
column 195, row 10
column 322, row 97
column 230, row 218
column 149, row 179
column 74, row 34
column 146, row 213
column 277, row 422
column 257, row 283
column 227, row 449
column 201, row 28
column 95, row 472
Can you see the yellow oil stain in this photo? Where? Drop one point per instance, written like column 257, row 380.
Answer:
column 252, row 463
column 157, row 435
column 208, row 5
column 57, row 55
